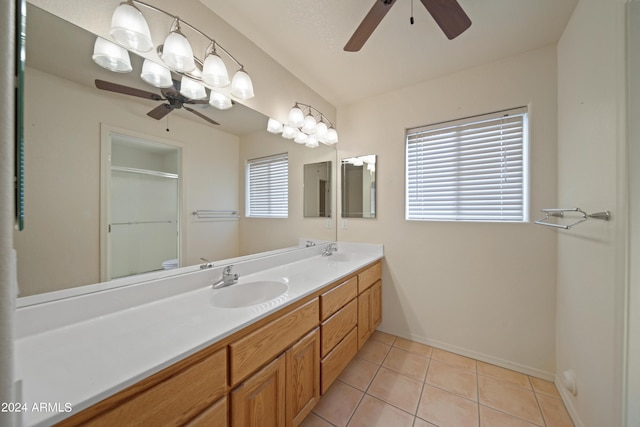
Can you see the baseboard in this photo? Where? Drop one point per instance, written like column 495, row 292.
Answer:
column 527, row 370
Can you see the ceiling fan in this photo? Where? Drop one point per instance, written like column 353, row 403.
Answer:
column 172, row 95
column 447, row 13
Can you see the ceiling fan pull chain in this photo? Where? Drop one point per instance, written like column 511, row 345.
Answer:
column 411, row 19
column 167, row 123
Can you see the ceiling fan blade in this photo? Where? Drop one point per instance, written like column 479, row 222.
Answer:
column 160, row 111
column 114, row 87
column 449, row 16
column 202, row 116
column 368, row 25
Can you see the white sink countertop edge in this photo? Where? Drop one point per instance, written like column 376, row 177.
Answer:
column 82, row 363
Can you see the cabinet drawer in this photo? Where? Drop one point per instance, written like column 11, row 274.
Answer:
column 369, row 276
column 251, row 352
column 335, row 328
column 338, row 359
column 336, row 298
column 215, row 415
column 175, row 400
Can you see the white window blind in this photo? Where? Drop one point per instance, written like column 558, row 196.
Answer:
column 473, row 169
column 268, row 186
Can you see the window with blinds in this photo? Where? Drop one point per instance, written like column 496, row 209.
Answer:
column 268, row 187
column 472, row 169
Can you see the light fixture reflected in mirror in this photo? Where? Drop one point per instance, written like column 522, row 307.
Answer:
column 111, row 56
column 241, row 85
column 192, row 89
column 309, row 130
column 214, row 72
column 220, row 101
column 155, row 74
column 177, row 53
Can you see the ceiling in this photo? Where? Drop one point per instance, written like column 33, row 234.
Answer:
column 307, row 37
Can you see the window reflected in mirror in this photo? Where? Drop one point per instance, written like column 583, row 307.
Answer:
column 317, row 190
column 359, row 187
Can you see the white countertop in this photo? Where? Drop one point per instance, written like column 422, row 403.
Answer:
column 85, row 361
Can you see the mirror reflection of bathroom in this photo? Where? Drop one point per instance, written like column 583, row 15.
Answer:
column 142, row 206
column 317, row 190
column 359, row 187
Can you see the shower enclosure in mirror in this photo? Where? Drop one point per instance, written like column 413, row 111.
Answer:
column 317, row 190
column 359, row 187
column 66, row 119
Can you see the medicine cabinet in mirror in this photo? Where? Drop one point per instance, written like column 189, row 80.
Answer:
column 317, row 190
column 359, row 187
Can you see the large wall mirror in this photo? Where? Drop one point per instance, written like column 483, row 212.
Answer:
column 69, row 121
column 359, row 187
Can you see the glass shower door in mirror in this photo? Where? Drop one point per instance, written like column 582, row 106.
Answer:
column 143, row 230
column 359, row 187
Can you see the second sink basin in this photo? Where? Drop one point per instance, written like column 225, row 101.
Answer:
column 247, row 294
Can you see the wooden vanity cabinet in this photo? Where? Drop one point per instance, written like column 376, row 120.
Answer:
column 369, row 302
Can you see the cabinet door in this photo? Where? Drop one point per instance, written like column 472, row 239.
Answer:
column 303, row 377
column 260, row 400
column 214, row 416
column 364, row 317
column 376, row 305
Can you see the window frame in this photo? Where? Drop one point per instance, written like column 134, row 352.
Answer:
column 248, row 193
column 518, row 111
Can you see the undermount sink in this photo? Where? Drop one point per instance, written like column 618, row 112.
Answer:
column 247, row 294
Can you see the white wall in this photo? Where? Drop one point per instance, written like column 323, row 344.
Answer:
column 591, row 175
column 486, row 290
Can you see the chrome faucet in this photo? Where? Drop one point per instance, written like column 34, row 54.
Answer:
column 207, row 264
column 228, row 278
column 330, row 249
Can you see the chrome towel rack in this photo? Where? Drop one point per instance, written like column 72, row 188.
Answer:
column 559, row 213
column 215, row 214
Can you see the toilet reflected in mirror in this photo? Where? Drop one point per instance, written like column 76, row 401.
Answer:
column 359, row 187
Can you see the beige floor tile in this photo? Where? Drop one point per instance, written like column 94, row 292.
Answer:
column 453, row 379
column 338, row 403
column 492, row 418
column 422, row 423
column 375, row 413
column 374, row 351
column 359, row 373
column 396, row 389
column 312, row 420
column 544, row 387
column 414, row 347
column 383, row 337
column 445, row 409
column 454, row 359
column 554, row 412
column 406, row 363
column 504, row 374
column 509, row 398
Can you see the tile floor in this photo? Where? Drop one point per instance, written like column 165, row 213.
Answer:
column 393, row 382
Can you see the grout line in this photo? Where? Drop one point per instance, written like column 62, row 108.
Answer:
column 478, row 393
column 535, row 395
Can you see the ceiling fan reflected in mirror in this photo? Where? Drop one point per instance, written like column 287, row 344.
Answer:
column 172, row 95
column 448, row 14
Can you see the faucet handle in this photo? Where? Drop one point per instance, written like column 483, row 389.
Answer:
column 207, row 264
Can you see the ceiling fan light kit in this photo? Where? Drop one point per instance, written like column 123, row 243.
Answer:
column 130, row 31
column 309, row 130
column 448, row 14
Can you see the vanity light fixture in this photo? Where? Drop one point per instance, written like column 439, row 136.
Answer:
column 130, row 30
column 220, row 101
column 192, row 89
column 309, row 130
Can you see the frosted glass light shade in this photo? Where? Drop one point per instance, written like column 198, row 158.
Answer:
column 192, row 89
column 155, row 74
column 332, row 136
column 274, row 126
column 322, row 132
column 301, row 138
column 214, row 72
column 111, row 56
column 130, row 29
column 309, row 126
column 312, row 141
column 220, row 101
column 289, row 132
column 241, row 85
column 296, row 117
column 177, row 53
